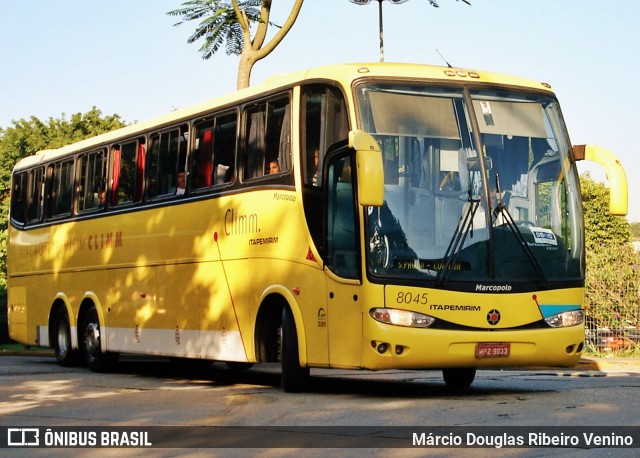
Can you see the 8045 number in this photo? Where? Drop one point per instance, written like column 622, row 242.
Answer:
column 407, row 297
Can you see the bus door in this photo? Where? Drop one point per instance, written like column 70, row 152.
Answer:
column 342, row 264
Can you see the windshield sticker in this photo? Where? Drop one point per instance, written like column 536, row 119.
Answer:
column 544, row 236
column 486, row 111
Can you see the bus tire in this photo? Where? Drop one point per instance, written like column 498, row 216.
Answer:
column 459, row 378
column 65, row 355
column 96, row 359
column 294, row 377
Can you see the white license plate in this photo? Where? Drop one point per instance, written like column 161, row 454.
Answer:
column 493, row 350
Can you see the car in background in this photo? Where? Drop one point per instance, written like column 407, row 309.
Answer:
column 607, row 340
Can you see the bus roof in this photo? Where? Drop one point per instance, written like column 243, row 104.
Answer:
column 342, row 73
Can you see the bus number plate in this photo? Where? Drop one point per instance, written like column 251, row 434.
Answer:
column 493, row 350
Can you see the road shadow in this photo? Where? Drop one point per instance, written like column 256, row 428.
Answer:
column 385, row 384
column 392, row 384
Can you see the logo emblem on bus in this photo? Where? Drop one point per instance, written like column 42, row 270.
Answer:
column 493, row 317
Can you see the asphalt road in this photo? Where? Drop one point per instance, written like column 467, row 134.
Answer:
column 143, row 393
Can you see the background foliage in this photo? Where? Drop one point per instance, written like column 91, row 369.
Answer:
column 613, row 275
column 25, row 137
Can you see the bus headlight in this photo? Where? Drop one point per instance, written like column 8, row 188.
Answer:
column 401, row 317
column 564, row 319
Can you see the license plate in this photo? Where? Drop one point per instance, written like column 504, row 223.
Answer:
column 493, row 350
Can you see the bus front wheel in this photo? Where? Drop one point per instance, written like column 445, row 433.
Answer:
column 294, row 377
column 65, row 355
column 459, row 377
column 96, row 359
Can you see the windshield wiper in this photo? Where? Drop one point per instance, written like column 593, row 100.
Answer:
column 464, row 228
column 502, row 210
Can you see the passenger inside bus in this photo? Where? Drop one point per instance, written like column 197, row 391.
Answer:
column 181, row 183
column 274, row 166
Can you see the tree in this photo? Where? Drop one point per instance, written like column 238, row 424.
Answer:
column 601, row 228
column 232, row 22
column 613, row 273
column 26, row 137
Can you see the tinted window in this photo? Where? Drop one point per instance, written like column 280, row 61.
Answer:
column 19, row 197
column 214, row 151
column 35, row 195
column 324, row 123
column 92, row 183
column 127, row 175
column 60, row 189
column 165, row 163
column 268, row 139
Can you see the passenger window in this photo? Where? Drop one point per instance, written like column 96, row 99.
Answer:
column 60, row 189
column 35, row 195
column 267, row 139
column 324, row 123
column 127, row 165
column 19, row 196
column 166, row 163
column 92, row 181
column 214, row 151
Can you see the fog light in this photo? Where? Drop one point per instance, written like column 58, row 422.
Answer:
column 399, row 349
column 382, row 348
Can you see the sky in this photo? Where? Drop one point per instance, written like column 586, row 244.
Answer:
column 126, row 57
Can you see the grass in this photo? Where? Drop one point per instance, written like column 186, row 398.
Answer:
column 629, row 352
column 16, row 347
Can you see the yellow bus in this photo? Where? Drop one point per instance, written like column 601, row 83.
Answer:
column 369, row 216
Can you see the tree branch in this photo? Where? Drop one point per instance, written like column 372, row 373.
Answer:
column 243, row 20
column 263, row 25
column 270, row 46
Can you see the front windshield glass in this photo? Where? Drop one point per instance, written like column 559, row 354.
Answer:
column 506, row 209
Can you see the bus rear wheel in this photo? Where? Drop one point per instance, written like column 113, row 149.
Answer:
column 459, row 378
column 96, row 359
column 294, row 377
column 65, row 355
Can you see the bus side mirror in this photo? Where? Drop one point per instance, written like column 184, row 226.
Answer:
column 369, row 168
column 619, row 192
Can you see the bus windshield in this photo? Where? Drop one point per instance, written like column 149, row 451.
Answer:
column 479, row 186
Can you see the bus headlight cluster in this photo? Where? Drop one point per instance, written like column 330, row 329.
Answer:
column 399, row 317
column 565, row 319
